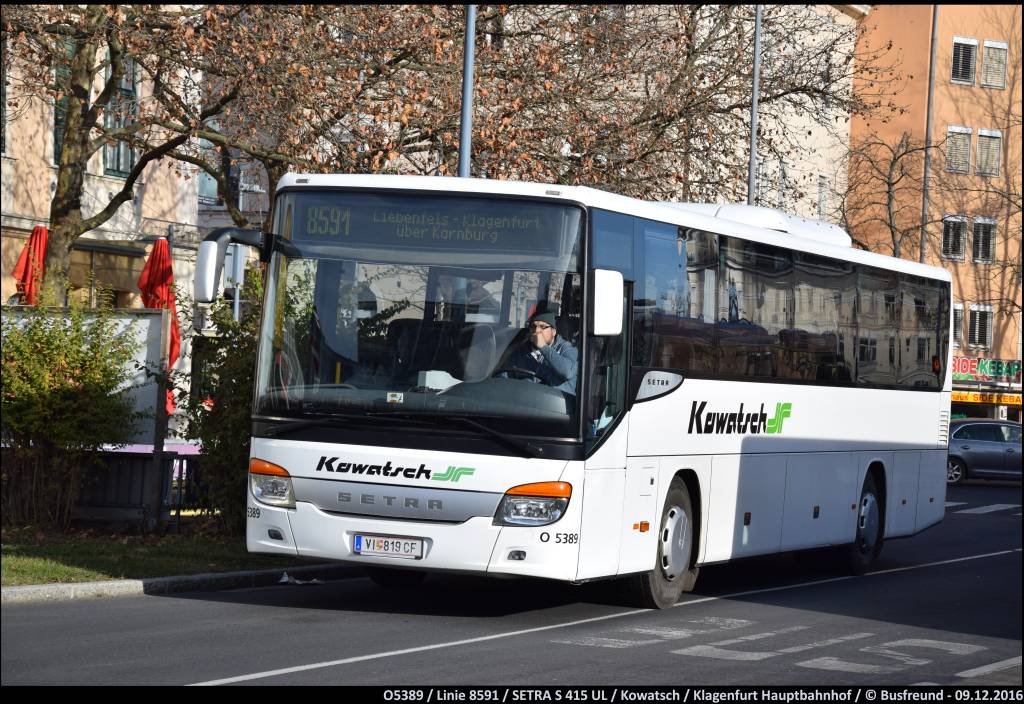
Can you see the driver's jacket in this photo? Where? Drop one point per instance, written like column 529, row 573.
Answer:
column 556, row 364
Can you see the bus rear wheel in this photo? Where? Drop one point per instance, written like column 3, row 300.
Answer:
column 862, row 553
column 674, row 572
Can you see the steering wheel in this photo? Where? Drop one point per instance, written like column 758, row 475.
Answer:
column 520, row 371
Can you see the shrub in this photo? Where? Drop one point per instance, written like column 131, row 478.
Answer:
column 219, row 406
column 64, row 374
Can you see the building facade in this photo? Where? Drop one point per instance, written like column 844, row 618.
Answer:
column 968, row 203
column 108, row 260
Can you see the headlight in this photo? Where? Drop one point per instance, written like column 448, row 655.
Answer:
column 533, row 504
column 270, row 484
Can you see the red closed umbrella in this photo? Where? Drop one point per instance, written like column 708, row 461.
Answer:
column 29, row 269
column 156, row 284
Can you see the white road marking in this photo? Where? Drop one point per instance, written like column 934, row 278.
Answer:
column 662, row 634
column 948, row 646
column 989, row 509
column 824, row 643
column 719, row 624
column 858, row 668
column 989, row 669
column 713, row 651
column 600, row 642
column 569, row 624
column 888, row 650
column 950, row 504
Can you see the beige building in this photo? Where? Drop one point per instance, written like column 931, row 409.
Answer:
column 113, row 254
column 973, row 219
column 805, row 183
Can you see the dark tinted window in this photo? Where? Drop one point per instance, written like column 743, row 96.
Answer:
column 923, row 321
column 988, row 433
column 755, row 303
column 613, row 242
column 823, row 317
column 878, row 316
column 1011, row 433
column 675, row 308
column 712, row 304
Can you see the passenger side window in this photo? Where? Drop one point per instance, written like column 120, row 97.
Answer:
column 985, row 433
column 878, row 318
column 1011, row 434
column 675, row 308
column 755, row 304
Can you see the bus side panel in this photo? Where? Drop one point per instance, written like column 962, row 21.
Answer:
column 742, row 484
column 931, row 504
column 640, row 504
column 901, row 497
column 600, row 533
column 822, row 481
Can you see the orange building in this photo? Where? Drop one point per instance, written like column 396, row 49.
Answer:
column 969, row 188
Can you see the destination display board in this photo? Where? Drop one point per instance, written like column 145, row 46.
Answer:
column 434, row 222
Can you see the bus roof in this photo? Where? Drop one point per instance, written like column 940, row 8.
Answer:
column 753, row 223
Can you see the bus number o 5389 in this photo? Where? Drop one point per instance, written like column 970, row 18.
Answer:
column 252, row 512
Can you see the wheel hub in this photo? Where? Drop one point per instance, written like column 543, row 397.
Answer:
column 868, row 524
column 675, row 543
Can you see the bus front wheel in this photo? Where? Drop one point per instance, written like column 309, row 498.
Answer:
column 674, row 572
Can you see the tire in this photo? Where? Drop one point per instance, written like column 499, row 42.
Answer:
column 674, row 572
column 395, row 579
column 956, row 471
column 862, row 553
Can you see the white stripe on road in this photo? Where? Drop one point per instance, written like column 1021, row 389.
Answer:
column 989, row 669
column 596, row 619
column 989, row 509
column 950, row 504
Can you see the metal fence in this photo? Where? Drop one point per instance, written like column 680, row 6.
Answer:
column 126, row 487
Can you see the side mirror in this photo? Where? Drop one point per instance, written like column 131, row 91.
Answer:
column 210, row 262
column 607, row 309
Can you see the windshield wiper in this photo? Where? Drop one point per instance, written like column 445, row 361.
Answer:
column 331, row 421
column 527, row 448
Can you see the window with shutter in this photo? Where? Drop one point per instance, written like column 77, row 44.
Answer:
column 958, row 151
column 953, row 230
column 989, row 148
column 980, row 333
column 984, row 239
column 993, row 68
column 62, row 74
column 963, row 62
column 958, row 323
column 118, row 156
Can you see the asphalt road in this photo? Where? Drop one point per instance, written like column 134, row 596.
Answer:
column 942, row 607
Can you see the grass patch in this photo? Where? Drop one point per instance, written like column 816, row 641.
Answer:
column 31, row 556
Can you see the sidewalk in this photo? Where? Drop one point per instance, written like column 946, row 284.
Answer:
column 208, row 582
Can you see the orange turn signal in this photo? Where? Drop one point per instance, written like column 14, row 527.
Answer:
column 560, row 490
column 263, row 467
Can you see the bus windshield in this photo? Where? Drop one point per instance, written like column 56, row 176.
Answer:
column 417, row 305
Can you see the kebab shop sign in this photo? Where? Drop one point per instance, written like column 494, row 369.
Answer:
column 980, row 369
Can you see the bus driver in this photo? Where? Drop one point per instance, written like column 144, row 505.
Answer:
column 544, row 357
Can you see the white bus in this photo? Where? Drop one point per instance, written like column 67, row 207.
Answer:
column 744, row 383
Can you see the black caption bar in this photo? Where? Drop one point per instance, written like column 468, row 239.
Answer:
column 691, row 695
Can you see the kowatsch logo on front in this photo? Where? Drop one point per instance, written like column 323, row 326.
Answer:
column 452, row 474
column 738, row 422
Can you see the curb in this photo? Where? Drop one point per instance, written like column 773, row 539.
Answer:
column 208, row 582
